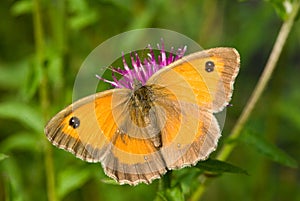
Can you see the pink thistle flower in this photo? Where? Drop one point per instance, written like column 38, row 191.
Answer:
column 141, row 71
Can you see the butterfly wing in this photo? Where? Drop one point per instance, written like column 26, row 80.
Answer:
column 209, row 73
column 100, row 128
column 77, row 127
column 188, row 133
column 89, row 129
column 188, row 92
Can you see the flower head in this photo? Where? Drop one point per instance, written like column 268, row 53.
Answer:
column 141, row 71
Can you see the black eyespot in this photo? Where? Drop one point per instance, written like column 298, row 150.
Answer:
column 209, row 66
column 74, row 122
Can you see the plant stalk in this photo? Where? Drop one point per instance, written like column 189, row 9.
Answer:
column 43, row 92
column 262, row 83
column 260, row 87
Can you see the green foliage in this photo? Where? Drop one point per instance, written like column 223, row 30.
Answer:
column 24, row 141
column 22, row 113
column 3, row 156
column 218, row 167
column 179, row 185
column 173, row 194
column 39, row 63
column 268, row 149
column 283, row 7
column 21, row 7
column 71, row 179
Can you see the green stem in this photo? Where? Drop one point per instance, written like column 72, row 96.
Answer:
column 43, row 92
column 261, row 85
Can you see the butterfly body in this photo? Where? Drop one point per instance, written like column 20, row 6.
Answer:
column 140, row 106
column 167, row 123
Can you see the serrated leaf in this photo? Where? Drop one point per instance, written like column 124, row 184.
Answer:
column 71, row 179
column 3, row 156
column 23, row 113
column 268, row 149
column 216, row 166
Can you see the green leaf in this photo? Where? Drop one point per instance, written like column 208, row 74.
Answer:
column 3, row 156
column 174, row 194
column 216, row 166
column 14, row 179
column 287, row 108
column 160, row 196
column 22, row 7
column 269, row 150
column 83, row 20
column 21, row 141
column 282, row 7
column 110, row 181
column 32, row 81
column 22, row 113
column 71, row 179
column 12, row 74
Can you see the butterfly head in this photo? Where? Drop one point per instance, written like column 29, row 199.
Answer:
column 137, row 84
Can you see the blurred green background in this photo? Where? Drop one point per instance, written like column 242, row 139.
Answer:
column 31, row 94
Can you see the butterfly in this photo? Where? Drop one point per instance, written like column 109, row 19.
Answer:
column 166, row 123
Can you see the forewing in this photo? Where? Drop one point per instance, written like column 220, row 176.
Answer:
column 98, row 138
column 212, row 86
column 92, row 135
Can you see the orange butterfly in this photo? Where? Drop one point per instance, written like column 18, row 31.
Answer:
column 157, row 119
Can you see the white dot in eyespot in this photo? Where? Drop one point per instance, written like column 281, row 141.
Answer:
column 146, row 158
column 178, row 145
column 209, row 66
